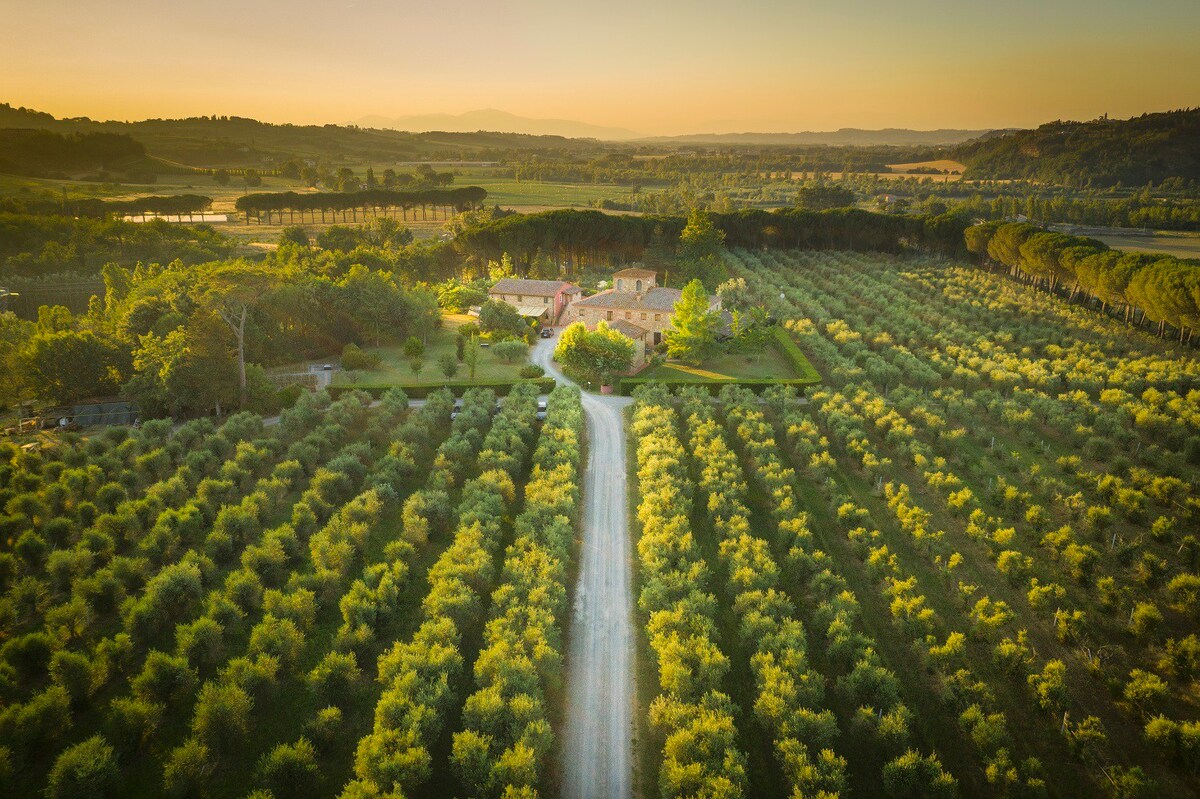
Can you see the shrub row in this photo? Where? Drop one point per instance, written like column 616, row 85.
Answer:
column 788, row 692
column 507, row 739
column 458, row 388
column 420, row 676
column 700, row 751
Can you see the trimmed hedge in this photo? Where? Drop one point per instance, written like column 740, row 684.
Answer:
column 631, row 384
column 805, row 371
column 782, row 341
column 545, row 386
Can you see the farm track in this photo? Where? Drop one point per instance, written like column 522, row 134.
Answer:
column 597, row 741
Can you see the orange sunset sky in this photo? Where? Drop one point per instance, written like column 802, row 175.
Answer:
column 652, row 67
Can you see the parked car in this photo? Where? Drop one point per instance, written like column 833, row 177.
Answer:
column 547, row 332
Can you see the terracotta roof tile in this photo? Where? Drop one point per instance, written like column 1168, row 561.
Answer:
column 534, row 288
column 658, row 298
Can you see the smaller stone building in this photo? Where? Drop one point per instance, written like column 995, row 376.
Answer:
column 543, row 300
column 632, row 331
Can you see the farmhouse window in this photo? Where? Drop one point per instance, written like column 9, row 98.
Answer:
column 610, row 316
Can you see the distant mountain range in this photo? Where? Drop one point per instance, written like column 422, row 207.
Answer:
column 491, row 119
column 847, row 137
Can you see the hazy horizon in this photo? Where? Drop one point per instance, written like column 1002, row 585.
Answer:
column 711, row 68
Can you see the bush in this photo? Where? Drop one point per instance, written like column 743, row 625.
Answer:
column 511, row 351
column 355, row 359
column 87, row 770
column 531, row 371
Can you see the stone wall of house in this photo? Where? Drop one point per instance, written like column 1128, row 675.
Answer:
column 654, row 321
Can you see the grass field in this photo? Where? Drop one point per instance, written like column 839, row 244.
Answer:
column 945, row 163
column 1181, row 245
column 395, row 367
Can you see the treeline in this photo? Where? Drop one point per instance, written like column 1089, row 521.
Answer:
column 34, row 245
column 632, row 167
column 1103, row 152
column 40, row 153
column 177, row 205
column 583, row 238
column 1143, row 287
column 268, row 206
column 1140, row 211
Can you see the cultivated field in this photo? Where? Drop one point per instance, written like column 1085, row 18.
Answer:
column 1181, row 245
column 299, row 608
column 975, row 543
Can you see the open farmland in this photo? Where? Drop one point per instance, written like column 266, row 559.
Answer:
column 976, row 542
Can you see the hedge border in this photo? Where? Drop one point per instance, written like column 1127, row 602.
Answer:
column 420, row 391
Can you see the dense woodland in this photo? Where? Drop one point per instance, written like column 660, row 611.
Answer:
column 1103, row 152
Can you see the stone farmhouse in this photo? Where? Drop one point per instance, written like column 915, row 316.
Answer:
column 636, row 306
column 542, row 300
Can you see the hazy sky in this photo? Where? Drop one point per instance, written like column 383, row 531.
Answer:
column 654, row 67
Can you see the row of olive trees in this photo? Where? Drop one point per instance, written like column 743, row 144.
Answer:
column 506, row 739
column 788, row 693
column 697, row 720
column 847, row 417
column 862, row 677
column 420, row 676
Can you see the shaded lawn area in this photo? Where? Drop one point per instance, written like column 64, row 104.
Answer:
column 395, row 367
column 766, row 364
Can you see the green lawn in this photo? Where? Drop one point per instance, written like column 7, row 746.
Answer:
column 395, row 367
column 767, row 364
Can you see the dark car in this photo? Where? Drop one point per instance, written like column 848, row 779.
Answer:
column 547, row 332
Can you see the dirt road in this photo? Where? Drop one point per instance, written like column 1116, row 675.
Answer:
column 597, row 745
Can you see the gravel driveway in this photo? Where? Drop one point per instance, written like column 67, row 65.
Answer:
column 597, row 741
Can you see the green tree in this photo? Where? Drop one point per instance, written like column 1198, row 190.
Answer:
column 511, row 351
column 222, row 715
column 911, row 776
column 295, row 234
column 693, row 330
column 232, row 291
column 290, row 770
column 700, row 238
column 596, row 353
column 87, row 770
column 471, row 354
column 448, row 364
column 69, row 366
column 414, row 350
column 501, row 320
